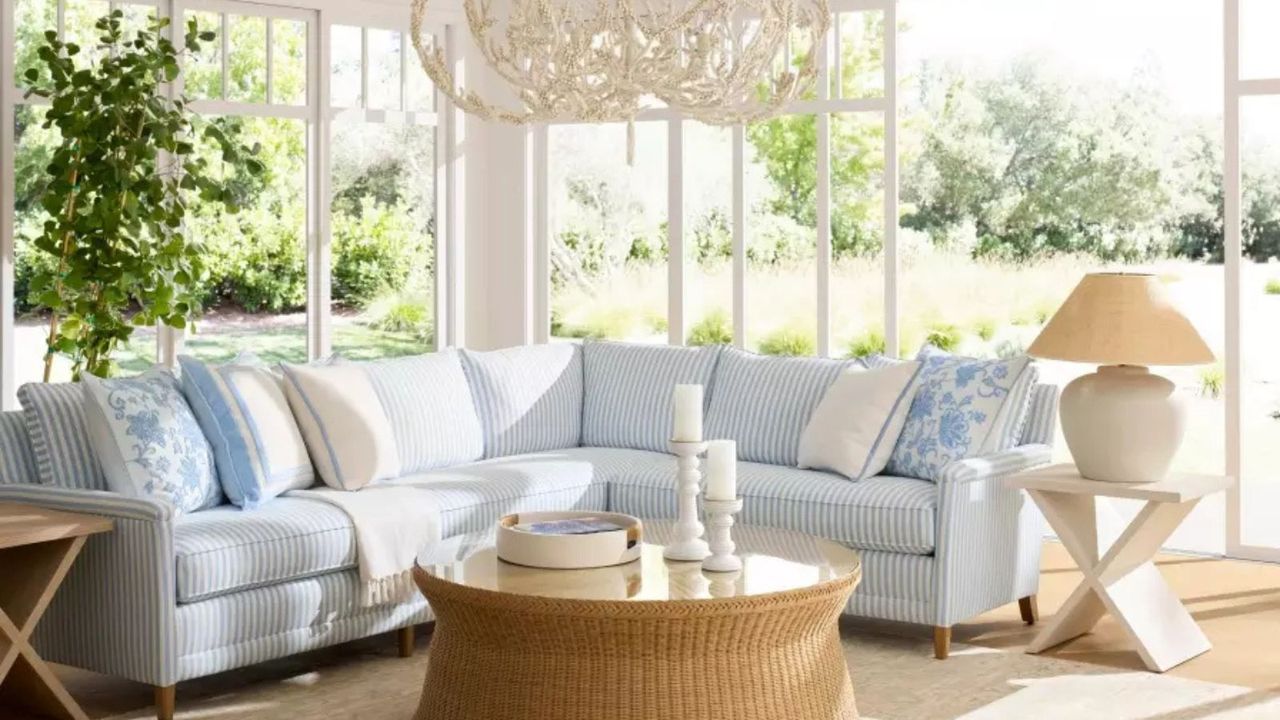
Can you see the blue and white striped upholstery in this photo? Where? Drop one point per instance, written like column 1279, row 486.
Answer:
column 17, row 463
column 59, row 435
column 1042, row 416
column 428, row 402
column 764, row 402
column 977, row 510
column 628, row 389
column 226, row 550
column 879, row 513
column 529, row 398
column 114, row 614
column 896, row 587
column 265, row 623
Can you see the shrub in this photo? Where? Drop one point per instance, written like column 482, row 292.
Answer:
column 375, row 252
column 256, row 259
column 1007, row 349
column 1211, row 381
column 943, row 336
column 713, row 329
column 985, row 329
column 868, row 343
column 605, row 323
column 402, row 313
column 788, row 341
column 1273, row 286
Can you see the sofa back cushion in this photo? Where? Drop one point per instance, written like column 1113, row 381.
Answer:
column 148, row 440
column 963, row 408
column 764, row 402
column 428, row 403
column 256, row 442
column 627, row 391
column 55, row 419
column 17, row 462
column 529, row 398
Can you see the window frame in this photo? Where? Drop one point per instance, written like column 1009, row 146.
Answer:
column 316, row 112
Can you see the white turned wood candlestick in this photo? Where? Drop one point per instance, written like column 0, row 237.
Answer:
column 688, row 543
column 720, row 517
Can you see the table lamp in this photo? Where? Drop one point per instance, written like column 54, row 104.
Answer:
column 1122, row 423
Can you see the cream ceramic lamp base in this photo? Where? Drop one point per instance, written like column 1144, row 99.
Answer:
column 1123, row 424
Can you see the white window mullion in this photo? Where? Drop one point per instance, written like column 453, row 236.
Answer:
column 541, row 281
column 8, row 355
column 226, row 55
column 823, row 152
column 319, row 315
column 892, row 265
column 675, row 233
column 270, row 60
column 739, row 236
column 455, row 129
column 62, row 23
column 170, row 341
column 364, row 67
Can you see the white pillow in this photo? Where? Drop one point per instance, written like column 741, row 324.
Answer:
column 855, row 427
column 342, row 420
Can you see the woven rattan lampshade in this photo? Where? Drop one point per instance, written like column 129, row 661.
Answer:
column 1121, row 319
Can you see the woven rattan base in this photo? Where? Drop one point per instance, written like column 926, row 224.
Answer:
column 497, row 655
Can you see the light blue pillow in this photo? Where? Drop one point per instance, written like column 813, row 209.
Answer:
column 149, row 442
column 963, row 408
column 242, row 409
column 764, row 402
column 628, row 387
column 54, row 414
column 529, row 398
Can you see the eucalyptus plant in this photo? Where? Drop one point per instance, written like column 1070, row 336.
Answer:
column 119, row 185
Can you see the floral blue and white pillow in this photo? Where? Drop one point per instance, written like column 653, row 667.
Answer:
column 148, row 441
column 963, row 408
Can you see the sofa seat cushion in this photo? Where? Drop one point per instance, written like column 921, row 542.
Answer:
column 227, row 549
column 472, row 497
column 891, row 514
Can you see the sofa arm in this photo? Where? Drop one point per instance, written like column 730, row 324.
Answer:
column 114, row 614
column 987, row 467
column 989, row 535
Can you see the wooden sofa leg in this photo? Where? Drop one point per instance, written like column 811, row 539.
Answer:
column 166, row 699
column 405, row 637
column 941, row 642
column 1029, row 609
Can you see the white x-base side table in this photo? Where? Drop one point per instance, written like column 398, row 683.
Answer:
column 1116, row 558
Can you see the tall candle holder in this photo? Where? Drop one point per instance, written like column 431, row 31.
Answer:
column 688, row 543
column 720, row 516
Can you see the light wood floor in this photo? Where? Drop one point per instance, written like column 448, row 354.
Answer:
column 1237, row 604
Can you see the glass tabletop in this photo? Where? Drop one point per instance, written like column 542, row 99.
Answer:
column 773, row 560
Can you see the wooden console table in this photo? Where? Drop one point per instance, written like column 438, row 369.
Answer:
column 37, row 547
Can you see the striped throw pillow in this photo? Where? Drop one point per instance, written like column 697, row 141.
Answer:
column 242, row 408
column 17, row 462
column 764, row 402
column 529, row 398
column 627, row 391
column 428, row 403
column 55, row 419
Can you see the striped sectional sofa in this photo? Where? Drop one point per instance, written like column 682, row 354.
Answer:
column 167, row 597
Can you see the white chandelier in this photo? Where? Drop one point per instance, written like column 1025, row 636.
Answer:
column 723, row 62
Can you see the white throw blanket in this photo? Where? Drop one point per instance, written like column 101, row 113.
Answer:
column 393, row 523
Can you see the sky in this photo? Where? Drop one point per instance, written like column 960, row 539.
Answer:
column 1107, row 39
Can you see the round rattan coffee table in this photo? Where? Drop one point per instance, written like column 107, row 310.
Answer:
column 649, row 640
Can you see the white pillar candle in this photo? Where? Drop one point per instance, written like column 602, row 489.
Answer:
column 722, row 470
column 686, row 421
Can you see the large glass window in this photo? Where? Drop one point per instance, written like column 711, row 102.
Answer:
column 608, row 232
column 383, row 205
column 253, row 79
